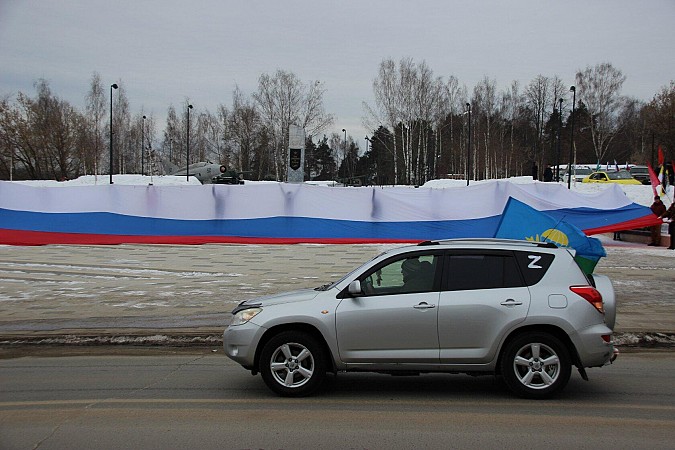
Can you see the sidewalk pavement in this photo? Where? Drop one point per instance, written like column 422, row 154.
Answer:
column 85, row 292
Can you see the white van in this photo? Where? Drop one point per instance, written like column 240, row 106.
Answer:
column 578, row 173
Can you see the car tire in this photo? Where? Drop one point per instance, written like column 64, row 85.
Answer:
column 293, row 364
column 536, row 365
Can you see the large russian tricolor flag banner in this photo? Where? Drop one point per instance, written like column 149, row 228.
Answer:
column 291, row 213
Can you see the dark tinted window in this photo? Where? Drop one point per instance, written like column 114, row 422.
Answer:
column 482, row 271
column 533, row 265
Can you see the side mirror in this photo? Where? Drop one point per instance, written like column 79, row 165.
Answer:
column 355, row 288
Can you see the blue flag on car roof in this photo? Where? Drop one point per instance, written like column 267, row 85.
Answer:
column 521, row 221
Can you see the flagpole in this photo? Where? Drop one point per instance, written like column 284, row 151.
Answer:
column 569, row 167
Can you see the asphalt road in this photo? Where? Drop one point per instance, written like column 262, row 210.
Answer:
column 200, row 399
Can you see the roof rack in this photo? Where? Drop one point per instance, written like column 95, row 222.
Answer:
column 489, row 240
column 425, row 243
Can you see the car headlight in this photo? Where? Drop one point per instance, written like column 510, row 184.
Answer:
column 244, row 316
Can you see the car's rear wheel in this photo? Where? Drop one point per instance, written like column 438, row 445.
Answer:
column 536, row 365
column 292, row 364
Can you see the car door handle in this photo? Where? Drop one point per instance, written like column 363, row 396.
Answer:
column 424, row 305
column 510, row 302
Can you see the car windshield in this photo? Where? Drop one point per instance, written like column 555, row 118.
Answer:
column 327, row 286
column 639, row 170
column 620, row 175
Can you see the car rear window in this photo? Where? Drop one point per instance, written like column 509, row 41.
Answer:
column 534, row 265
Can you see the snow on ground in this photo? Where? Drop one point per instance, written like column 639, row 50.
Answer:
column 135, row 180
column 640, row 194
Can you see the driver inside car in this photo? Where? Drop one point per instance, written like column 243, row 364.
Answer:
column 416, row 275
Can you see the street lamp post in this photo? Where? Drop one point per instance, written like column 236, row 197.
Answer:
column 112, row 86
column 346, row 158
column 187, row 156
column 468, row 150
column 569, row 166
column 557, row 159
column 143, row 146
column 366, row 150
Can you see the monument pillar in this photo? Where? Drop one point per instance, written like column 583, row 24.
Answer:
column 296, row 154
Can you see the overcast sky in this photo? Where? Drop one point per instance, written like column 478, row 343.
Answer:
column 165, row 52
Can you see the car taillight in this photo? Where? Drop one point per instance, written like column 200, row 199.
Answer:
column 591, row 295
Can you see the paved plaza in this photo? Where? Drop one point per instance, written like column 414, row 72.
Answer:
column 145, row 289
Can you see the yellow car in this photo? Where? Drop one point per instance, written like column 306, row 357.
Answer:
column 621, row 177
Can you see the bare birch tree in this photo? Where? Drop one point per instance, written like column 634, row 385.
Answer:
column 122, row 140
column 660, row 115
column 171, row 142
column 537, row 98
column 599, row 88
column 511, row 110
column 385, row 89
column 245, row 129
column 445, row 114
column 485, row 97
column 96, row 112
column 283, row 100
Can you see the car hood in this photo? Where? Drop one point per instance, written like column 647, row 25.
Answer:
column 285, row 297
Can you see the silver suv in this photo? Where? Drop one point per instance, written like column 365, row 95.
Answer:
column 523, row 310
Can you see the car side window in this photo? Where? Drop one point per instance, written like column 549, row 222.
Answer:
column 402, row 276
column 472, row 271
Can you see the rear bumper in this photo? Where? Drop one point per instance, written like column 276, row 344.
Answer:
column 592, row 349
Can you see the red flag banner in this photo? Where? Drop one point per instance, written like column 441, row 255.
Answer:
column 653, row 178
column 661, row 157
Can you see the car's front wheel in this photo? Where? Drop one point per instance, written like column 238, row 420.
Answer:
column 536, row 365
column 292, row 364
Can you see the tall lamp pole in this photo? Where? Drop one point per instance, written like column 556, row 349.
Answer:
column 112, row 86
column 366, row 151
column 557, row 159
column 569, row 166
column 187, row 156
column 349, row 172
column 468, row 150
column 143, row 146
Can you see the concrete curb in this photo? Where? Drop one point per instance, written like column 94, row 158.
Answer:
column 627, row 339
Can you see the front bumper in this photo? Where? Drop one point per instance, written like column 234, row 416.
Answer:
column 240, row 343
